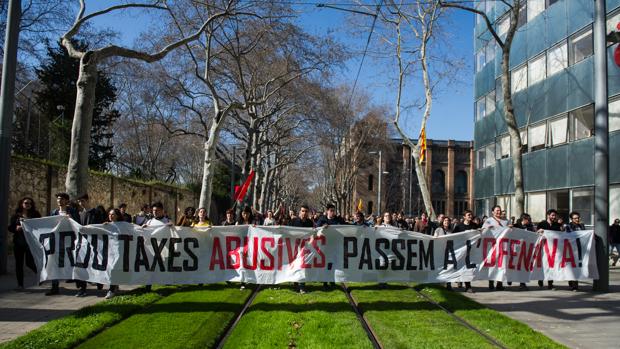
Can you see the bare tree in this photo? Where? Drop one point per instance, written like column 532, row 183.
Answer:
column 239, row 70
column 514, row 8
column 412, row 29
column 77, row 169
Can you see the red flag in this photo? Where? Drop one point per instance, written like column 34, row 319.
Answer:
column 244, row 189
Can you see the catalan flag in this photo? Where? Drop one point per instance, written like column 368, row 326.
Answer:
column 360, row 205
column 422, row 141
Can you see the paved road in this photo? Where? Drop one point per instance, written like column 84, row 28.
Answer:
column 582, row 319
column 24, row 311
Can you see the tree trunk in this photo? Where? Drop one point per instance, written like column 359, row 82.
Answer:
column 515, row 135
column 209, row 167
column 76, row 182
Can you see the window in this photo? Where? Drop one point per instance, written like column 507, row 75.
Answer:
column 551, row 2
column 519, row 79
column 502, row 26
column 582, row 123
column 504, row 146
column 459, row 207
column 536, row 206
column 490, row 51
column 499, row 93
column 534, row 8
column 490, row 102
column 481, row 158
column 439, row 206
column 537, row 69
column 557, row 59
column 559, row 200
column 371, row 181
column 582, row 201
column 460, row 182
column 523, row 134
column 537, row 136
column 490, row 152
column 522, row 15
column 558, row 131
column 580, row 46
column 614, row 115
column 480, row 59
column 612, row 22
column 480, row 108
column 438, row 183
column 369, row 207
column 490, row 5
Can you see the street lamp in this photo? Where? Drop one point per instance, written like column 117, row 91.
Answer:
column 381, row 173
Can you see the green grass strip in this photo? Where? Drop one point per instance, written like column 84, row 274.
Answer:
column 511, row 333
column 282, row 318
column 194, row 317
column 68, row 331
column 403, row 319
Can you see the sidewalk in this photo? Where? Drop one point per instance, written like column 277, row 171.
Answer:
column 582, row 319
column 24, row 311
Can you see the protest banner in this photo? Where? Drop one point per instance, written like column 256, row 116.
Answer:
column 123, row 253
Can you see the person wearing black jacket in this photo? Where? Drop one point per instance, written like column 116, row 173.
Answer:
column 25, row 209
column 467, row 224
column 330, row 218
column 614, row 240
column 64, row 209
column 525, row 223
column 302, row 221
column 551, row 223
column 574, row 225
column 88, row 215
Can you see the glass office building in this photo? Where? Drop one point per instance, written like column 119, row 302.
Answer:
column 552, row 70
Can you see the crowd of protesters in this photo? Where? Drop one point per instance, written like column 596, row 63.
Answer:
column 84, row 213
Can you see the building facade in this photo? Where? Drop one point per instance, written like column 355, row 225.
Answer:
column 552, row 71
column 448, row 170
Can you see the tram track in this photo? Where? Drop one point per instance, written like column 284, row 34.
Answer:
column 231, row 326
column 459, row 319
column 362, row 319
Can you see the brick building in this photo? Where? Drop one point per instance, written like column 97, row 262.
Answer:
column 448, row 167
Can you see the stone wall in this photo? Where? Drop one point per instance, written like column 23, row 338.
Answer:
column 41, row 181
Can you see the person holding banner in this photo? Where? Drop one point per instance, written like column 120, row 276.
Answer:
column 467, row 224
column 88, row 216
column 63, row 209
column 495, row 221
column 158, row 216
column 302, row 221
column 114, row 215
column 551, row 223
column 25, row 210
column 445, row 228
column 574, row 225
column 330, row 218
column 230, row 217
column 202, row 222
column 269, row 220
column 359, row 219
column 158, row 219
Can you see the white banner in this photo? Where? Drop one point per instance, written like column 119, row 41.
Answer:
column 123, row 253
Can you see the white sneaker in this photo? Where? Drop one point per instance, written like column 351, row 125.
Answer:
column 109, row 295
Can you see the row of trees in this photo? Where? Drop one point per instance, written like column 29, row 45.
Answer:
column 206, row 76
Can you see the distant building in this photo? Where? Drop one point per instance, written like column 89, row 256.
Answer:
column 448, row 170
column 552, row 70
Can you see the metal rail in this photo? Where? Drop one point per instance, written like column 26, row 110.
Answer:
column 232, row 325
column 362, row 319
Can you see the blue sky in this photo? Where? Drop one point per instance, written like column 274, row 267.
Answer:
column 452, row 115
